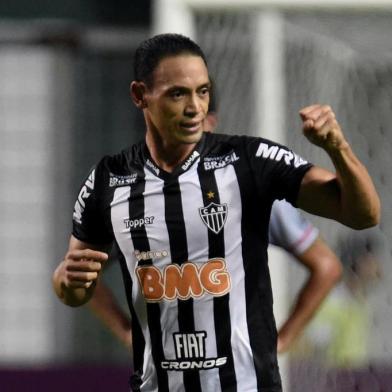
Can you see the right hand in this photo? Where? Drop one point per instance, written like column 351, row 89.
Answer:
column 81, row 268
column 321, row 127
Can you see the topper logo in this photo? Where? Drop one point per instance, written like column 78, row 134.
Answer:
column 184, row 281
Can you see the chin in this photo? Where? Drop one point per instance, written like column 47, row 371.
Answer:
column 191, row 138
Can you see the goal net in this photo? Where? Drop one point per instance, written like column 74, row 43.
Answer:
column 267, row 64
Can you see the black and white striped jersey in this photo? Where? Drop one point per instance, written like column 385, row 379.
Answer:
column 193, row 251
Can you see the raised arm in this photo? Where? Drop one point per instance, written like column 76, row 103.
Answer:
column 347, row 196
column 75, row 278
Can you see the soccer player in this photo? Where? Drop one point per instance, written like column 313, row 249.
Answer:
column 288, row 230
column 189, row 212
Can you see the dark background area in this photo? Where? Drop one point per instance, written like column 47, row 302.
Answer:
column 119, row 12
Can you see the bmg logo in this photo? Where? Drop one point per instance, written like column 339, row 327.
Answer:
column 184, row 281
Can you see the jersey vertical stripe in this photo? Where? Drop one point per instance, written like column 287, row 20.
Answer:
column 138, row 342
column 216, row 244
column 243, row 361
column 179, row 253
column 260, row 319
column 197, row 237
column 158, row 239
column 141, row 243
column 119, row 213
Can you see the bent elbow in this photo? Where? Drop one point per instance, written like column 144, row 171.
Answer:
column 332, row 269
column 336, row 273
column 373, row 216
column 367, row 221
column 373, row 221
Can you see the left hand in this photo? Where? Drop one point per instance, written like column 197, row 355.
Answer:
column 321, row 127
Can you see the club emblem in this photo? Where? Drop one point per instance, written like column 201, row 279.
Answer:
column 214, row 216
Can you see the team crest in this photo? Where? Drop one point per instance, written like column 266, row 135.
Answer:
column 214, row 216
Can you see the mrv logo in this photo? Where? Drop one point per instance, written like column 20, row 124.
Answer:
column 190, row 353
column 214, row 216
column 84, row 194
column 277, row 154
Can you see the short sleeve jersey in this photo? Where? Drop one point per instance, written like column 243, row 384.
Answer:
column 193, row 251
column 289, row 229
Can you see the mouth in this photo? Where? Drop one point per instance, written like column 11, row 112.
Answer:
column 191, row 126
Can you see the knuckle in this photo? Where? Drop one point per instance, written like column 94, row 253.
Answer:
column 331, row 116
column 88, row 253
column 68, row 256
column 94, row 266
column 91, row 276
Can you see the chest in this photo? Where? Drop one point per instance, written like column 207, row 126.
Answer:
column 178, row 216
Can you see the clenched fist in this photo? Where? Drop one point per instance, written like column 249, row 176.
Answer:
column 75, row 277
column 321, row 127
column 81, row 267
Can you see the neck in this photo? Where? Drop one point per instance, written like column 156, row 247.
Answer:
column 165, row 154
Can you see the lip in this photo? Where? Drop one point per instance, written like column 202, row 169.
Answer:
column 191, row 126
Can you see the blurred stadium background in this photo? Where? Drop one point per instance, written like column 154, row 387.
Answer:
column 65, row 68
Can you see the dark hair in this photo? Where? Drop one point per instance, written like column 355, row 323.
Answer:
column 151, row 51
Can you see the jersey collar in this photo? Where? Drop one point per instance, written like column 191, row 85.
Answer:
column 181, row 168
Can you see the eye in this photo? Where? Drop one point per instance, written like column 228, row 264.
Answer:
column 177, row 94
column 204, row 92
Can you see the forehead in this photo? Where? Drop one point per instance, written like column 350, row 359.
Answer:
column 185, row 70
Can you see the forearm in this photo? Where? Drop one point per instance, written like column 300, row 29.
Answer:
column 325, row 271
column 308, row 301
column 359, row 202
column 349, row 195
column 106, row 308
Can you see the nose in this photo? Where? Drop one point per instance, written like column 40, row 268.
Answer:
column 193, row 106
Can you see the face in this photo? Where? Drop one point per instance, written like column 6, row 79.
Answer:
column 177, row 103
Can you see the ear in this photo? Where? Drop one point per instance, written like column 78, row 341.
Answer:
column 137, row 92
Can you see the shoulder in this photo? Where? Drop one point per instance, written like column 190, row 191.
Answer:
column 254, row 146
column 290, row 229
column 282, row 210
column 123, row 160
column 118, row 169
column 284, row 215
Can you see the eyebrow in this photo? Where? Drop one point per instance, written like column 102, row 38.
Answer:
column 184, row 88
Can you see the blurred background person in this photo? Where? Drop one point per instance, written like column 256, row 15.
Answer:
column 339, row 340
column 339, row 335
